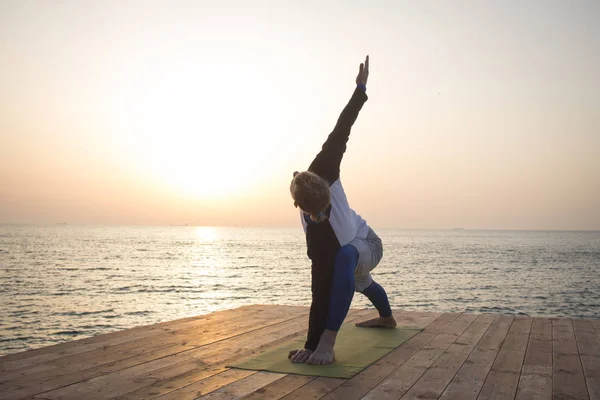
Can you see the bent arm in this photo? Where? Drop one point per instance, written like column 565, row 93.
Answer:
column 327, row 163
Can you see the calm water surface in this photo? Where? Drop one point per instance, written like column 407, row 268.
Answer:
column 61, row 282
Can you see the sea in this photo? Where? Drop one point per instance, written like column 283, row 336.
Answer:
column 62, row 282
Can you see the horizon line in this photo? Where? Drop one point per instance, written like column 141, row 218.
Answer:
column 458, row 229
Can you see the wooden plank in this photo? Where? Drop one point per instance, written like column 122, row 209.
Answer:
column 279, row 388
column 188, row 381
column 360, row 384
column 569, row 381
column 400, row 381
column 132, row 332
column 315, row 389
column 209, row 360
column 136, row 336
column 469, row 379
column 588, row 345
column 185, row 339
column 20, row 372
column 147, row 360
column 205, row 386
column 503, row 379
column 536, row 375
column 98, row 366
column 243, row 387
column 56, row 348
column 433, row 382
column 189, row 335
column 59, row 377
column 596, row 324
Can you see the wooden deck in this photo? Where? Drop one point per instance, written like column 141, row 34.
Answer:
column 456, row 356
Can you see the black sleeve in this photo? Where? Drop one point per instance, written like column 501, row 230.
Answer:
column 319, row 307
column 327, row 163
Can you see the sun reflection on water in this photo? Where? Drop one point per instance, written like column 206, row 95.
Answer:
column 206, row 234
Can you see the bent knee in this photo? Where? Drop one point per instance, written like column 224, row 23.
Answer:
column 347, row 253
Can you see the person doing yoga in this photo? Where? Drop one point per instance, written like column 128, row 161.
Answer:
column 343, row 249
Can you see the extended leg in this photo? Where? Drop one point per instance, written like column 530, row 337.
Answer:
column 376, row 294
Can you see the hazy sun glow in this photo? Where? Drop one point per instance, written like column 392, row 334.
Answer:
column 201, row 137
column 193, row 171
column 197, row 112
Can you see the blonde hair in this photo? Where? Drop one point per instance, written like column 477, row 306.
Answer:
column 311, row 193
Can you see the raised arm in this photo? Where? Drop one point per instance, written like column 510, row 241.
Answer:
column 327, row 163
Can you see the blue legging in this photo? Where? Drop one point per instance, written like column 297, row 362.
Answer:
column 342, row 290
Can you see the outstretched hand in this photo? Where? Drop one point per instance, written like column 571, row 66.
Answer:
column 363, row 73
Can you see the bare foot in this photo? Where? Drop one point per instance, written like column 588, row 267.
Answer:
column 324, row 353
column 379, row 322
column 299, row 356
column 322, row 356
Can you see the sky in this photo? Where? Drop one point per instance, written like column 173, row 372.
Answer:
column 481, row 114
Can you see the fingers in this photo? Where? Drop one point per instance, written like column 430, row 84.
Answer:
column 291, row 353
column 363, row 72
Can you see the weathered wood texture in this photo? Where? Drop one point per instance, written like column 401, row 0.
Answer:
column 456, row 356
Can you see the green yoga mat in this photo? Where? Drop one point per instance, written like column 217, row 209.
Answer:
column 356, row 348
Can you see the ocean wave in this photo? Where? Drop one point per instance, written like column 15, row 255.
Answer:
column 168, row 290
column 126, row 288
column 69, row 333
column 24, row 313
column 97, row 326
column 16, row 339
column 82, row 313
column 139, row 313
